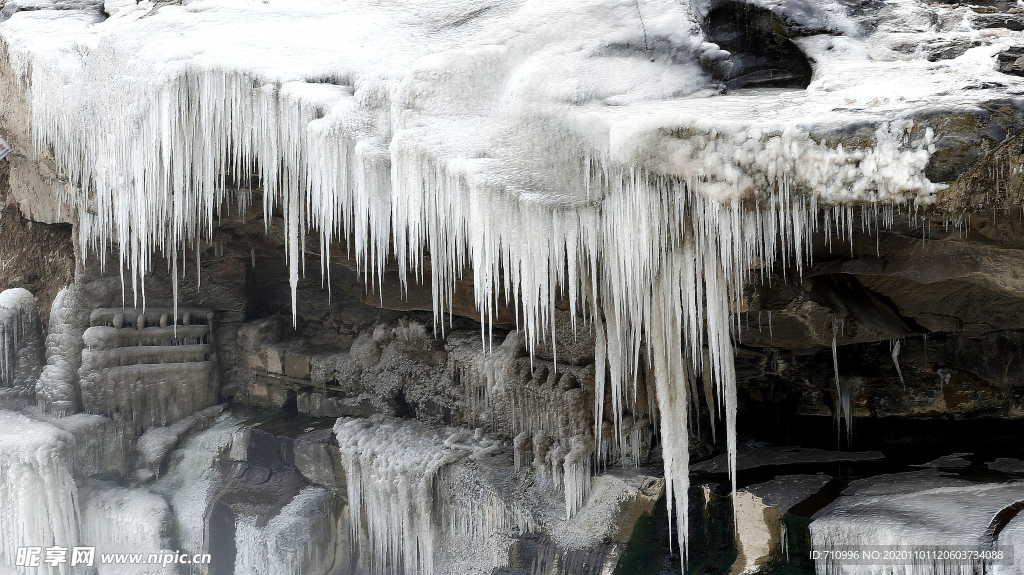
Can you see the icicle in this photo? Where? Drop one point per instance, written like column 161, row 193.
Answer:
column 896, row 360
column 600, row 353
column 21, row 347
column 843, row 406
column 395, row 477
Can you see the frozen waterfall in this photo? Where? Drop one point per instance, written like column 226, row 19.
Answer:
column 538, row 147
column 39, row 503
column 408, row 506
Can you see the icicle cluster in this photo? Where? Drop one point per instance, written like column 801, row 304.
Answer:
column 478, row 521
column 120, row 520
column 392, row 470
column 21, row 347
column 544, row 406
column 38, row 496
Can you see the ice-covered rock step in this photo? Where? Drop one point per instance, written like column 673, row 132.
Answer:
column 264, row 516
column 143, row 367
column 98, row 337
column 1013, row 534
column 157, row 442
column 597, row 539
column 195, row 472
column 922, row 511
column 102, row 447
column 1007, row 465
column 753, row 457
column 300, row 540
column 121, row 520
column 149, row 395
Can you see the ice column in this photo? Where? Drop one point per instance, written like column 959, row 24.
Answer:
column 56, row 388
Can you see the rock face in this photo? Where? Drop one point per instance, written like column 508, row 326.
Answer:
column 37, row 256
column 760, row 511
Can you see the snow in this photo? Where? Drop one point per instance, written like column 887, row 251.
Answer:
column 39, row 503
column 547, row 145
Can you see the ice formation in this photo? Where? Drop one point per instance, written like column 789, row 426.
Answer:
column 297, row 541
column 760, row 512
column 192, row 478
column 56, row 387
column 39, row 503
column 547, row 148
column 101, row 445
column 20, row 347
column 397, row 496
column 149, row 376
column 917, row 510
column 154, row 445
column 542, row 406
column 121, row 520
column 1012, row 534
